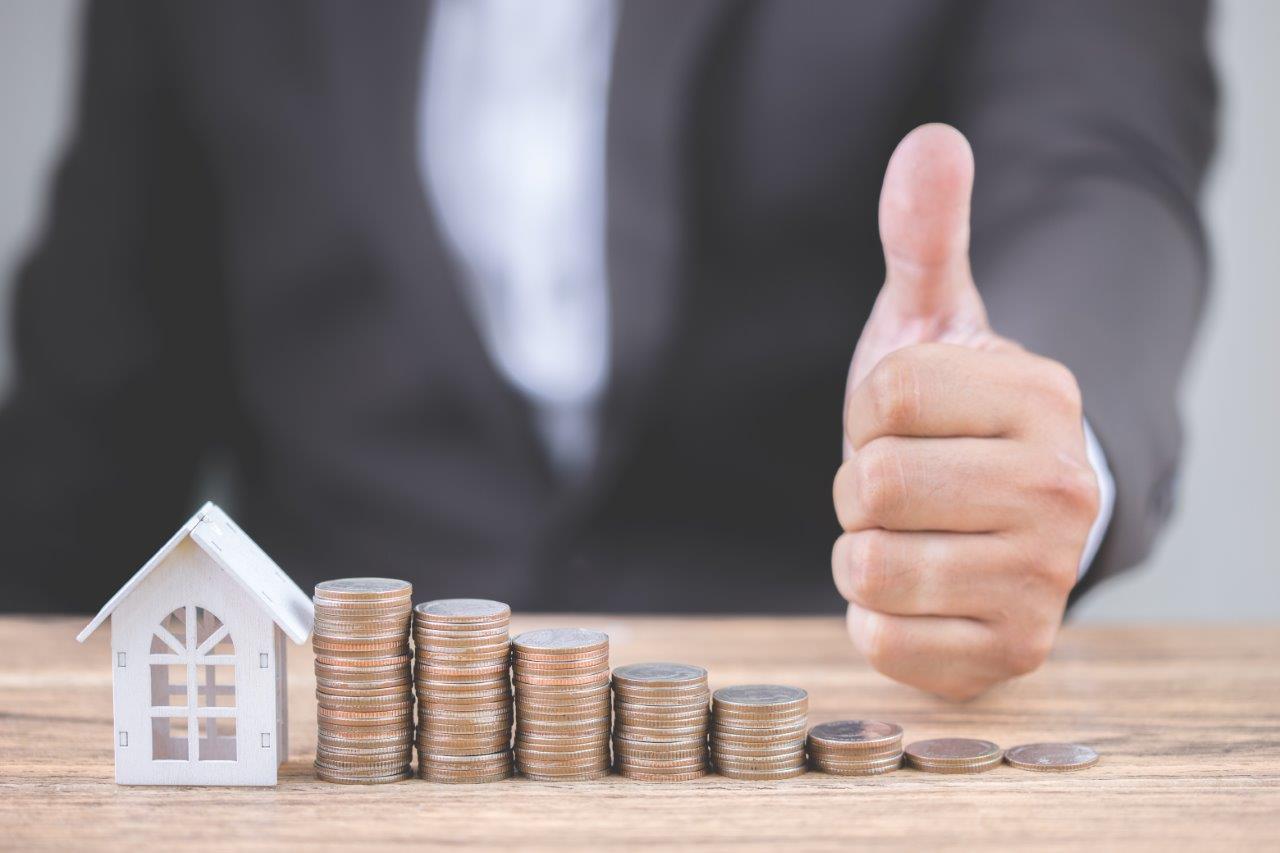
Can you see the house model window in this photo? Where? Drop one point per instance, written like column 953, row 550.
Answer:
column 198, row 653
column 193, row 688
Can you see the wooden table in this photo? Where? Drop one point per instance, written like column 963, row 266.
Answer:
column 1187, row 720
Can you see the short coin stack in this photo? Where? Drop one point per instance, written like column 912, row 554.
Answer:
column 660, row 721
column 363, row 680
column 464, row 690
column 855, row 747
column 561, row 679
column 758, row 731
column 953, row 755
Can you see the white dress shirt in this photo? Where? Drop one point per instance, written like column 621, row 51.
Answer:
column 513, row 148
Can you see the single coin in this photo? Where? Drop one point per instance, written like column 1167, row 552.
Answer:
column 761, row 775
column 360, row 778
column 683, row 763
column 464, row 609
column 1051, row 757
column 446, row 777
column 848, row 766
column 560, row 640
column 642, row 776
column 561, row 737
column 759, row 695
column 660, row 673
column 538, row 776
column 470, row 632
column 362, row 588
column 758, row 763
column 661, row 696
column 858, row 771
column 473, row 760
column 855, row 734
column 952, row 750
column 478, row 768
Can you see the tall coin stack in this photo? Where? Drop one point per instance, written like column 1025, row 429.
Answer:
column 464, row 690
column 856, row 747
column 660, row 721
column 758, row 731
column 364, row 682
column 561, row 679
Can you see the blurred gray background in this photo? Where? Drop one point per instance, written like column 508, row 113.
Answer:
column 1217, row 561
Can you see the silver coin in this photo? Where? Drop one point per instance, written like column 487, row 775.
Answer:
column 464, row 608
column 1051, row 757
column 660, row 672
column 560, row 638
column 855, row 732
column 953, row 750
column 349, row 586
column 758, row 695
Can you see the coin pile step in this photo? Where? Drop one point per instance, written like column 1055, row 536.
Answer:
column 758, row 731
column 464, row 690
column 953, row 755
column 364, row 690
column 660, row 721
column 855, row 747
column 561, row 681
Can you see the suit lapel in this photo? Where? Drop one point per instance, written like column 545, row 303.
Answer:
column 656, row 57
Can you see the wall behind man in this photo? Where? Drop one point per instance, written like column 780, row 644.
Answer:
column 1213, row 563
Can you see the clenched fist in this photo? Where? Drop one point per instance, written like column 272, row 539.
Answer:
column 966, row 495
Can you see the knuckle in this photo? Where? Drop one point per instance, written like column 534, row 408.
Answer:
column 844, row 482
column 877, row 478
column 894, row 386
column 842, row 565
column 1058, row 576
column 870, row 569
column 877, row 642
column 1059, row 386
column 1025, row 653
column 1073, row 486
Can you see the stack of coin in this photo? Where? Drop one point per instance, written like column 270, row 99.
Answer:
column 855, row 747
column 953, row 755
column 561, row 678
column 660, row 721
column 758, row 731
column 464, row 690
column 364, row 682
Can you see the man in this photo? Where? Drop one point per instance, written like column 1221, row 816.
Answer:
column 554, row 303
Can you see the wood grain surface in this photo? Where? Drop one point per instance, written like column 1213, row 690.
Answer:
column 1187, row 720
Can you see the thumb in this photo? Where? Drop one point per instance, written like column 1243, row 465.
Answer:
column 928, row 292
column 924, row 228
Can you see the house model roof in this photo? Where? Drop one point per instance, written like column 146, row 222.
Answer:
column 241, row 558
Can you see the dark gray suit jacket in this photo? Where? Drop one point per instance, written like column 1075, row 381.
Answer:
column 241, row 268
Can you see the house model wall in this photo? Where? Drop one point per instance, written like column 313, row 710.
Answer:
column 199, row 659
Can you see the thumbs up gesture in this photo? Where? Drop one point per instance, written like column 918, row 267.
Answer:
column 966, row 495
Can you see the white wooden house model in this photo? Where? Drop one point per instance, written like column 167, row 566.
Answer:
column 198, row 659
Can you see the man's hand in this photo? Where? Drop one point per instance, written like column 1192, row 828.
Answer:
column 966, row 494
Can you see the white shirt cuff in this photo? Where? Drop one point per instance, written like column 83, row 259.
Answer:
column 1106, row 498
